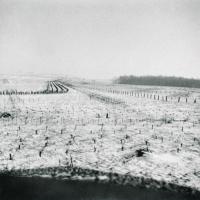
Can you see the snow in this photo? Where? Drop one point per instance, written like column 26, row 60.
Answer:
column 75, row 133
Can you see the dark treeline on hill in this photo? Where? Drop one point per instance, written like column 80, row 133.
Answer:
column 159, row 81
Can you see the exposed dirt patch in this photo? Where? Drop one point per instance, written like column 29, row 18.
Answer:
column 5, row 115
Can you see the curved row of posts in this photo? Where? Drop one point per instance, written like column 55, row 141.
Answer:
column 52, row 87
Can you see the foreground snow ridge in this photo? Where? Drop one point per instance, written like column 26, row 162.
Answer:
column 83, row 174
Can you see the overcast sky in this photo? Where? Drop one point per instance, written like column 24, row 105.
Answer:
column 100, row 38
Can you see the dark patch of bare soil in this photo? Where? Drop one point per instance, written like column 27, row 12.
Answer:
column 5, row 115
column 20, row 188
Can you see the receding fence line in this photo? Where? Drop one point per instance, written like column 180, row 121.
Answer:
column 140, row 94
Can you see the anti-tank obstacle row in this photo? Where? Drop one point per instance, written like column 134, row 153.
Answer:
column 105, row 98
column 56, row 87
column 52, row 87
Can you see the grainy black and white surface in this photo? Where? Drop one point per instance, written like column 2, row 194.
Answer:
column 74, row 123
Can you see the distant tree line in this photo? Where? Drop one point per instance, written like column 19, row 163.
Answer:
column 159, row 81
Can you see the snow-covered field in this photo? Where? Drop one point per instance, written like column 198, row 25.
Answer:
column 72, row 129
column 23, row 83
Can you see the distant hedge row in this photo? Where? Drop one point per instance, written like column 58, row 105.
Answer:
column 159, row 81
